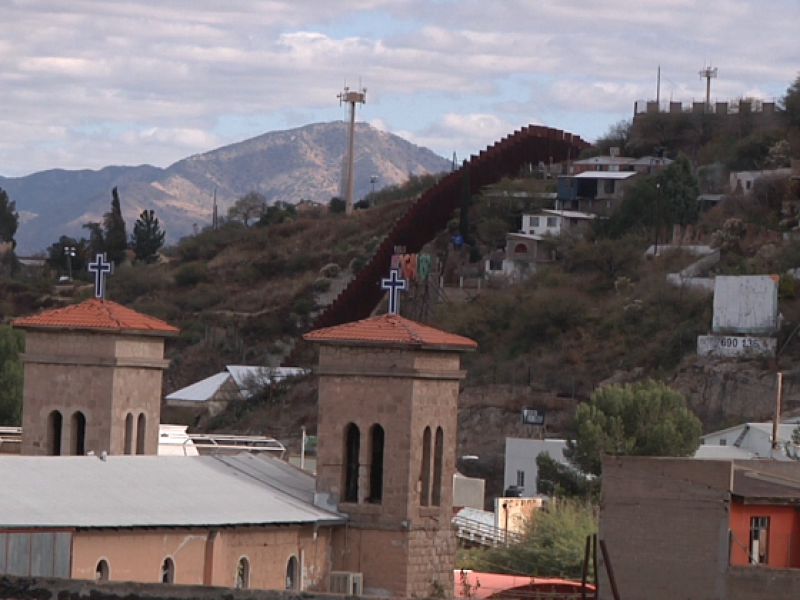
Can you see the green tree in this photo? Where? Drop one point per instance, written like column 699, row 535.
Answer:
column 553, row 544
column 248, row 208
column 12, row 343
column 97, row 239
column 791, row 104
column 337, row 206
column 57, row 258
column 679, row 187
column 147, row 237
column 557, row 479
column 639, row 419
column 279, row 212
column 9, row 219
column 116, row 238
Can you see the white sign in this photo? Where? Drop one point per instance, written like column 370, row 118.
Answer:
column 736, row 346
column 745, row 305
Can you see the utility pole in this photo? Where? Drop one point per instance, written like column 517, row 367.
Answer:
column 351, row 98
column 708, row 74
column 658, row 88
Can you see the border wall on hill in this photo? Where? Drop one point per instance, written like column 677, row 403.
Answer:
column 429, row 214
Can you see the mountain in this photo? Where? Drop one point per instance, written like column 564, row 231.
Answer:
column 293, row 165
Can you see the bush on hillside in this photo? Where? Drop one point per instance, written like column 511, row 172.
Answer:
column 191, row 274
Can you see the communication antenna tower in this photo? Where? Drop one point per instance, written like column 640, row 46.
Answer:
column 708, row 74
column 351, row 99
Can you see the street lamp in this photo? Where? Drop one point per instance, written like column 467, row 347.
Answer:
column 373, row 179
column 69, row 252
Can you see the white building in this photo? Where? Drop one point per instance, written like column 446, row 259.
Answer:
column 554, row 222
column 520, row 467
column 748, row 440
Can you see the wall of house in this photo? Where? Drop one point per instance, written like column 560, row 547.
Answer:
column 206, row 557
column 520, row 456
column 746, row 583
column 665, row 523
column 783, row 538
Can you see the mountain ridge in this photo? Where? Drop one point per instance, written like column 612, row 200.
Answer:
column 290, row 165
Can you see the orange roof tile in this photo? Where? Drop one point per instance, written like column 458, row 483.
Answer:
column 96, row 314
column 390, row 329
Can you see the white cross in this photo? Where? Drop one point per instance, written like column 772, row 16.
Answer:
column 394, row 283
column 100, row 268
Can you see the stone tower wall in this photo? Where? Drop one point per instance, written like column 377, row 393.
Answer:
column 103, row 376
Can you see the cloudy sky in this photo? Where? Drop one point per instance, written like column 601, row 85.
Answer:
column 89, row 83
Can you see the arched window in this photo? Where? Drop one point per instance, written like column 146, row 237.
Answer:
column 243, row 573
column 520, row 249
column 438, row 465
column 425, row 476
column 101, row 572
column 291, row 574
column 129, row 434
column 141, row 427
column 55, row 423
column 377, row 437
column 352, row 451
column 168, row 571
column 78, row 434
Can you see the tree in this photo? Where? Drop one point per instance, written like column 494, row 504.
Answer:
column 9, row 219
column 609, row 258
column 57, row 258
column 277, row 213
column 553, row 544
column 639, row 419
column 248, row 208
column 116, row 238
column 791, row 104
column 147, row 237
column 557, row 479
column 12, row 343
column 680, row 188
column 337, row 206
column 97, row 239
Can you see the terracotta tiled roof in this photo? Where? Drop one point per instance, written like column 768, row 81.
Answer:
column 390, row 329
column 96, row 314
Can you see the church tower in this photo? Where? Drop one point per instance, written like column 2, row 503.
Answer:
column 93, row 376
column 388, row 402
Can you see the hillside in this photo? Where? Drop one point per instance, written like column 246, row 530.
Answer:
column 303, row 163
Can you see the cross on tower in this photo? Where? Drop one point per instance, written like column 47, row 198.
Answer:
column 100, row 268
column 395, row 284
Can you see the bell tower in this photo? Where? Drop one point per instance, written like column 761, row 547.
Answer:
column 388, row 402
column 92, row 380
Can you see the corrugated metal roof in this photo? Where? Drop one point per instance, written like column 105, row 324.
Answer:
column 570, row 214
column 605, row 175
column 202, row 391
column 154, row 491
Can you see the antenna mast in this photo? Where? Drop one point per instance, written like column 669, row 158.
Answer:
column 351, row 98
column 708, row 74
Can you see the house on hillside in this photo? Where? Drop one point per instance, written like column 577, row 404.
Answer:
column 611, row 163
column 742, row 182
column 684, row 528
column 598, row 193
column 554, row 222
column 520, row 462
column 212, row 394
column 749, row 440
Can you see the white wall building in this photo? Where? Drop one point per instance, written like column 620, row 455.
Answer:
column 520, row 467
column 553, row 222
column 748, row 440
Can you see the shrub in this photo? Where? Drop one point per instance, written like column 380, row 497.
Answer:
column 321, row 285
column 330, row 270
column 191, row 274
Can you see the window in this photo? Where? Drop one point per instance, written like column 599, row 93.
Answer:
column 534, row 221
column 748, row 184
column 55, row 423
column 723, row 442
column 521, row 479
column 168, row 571
column 291, row 574
column 141, row 431
column 376, row 465
column 101, row 572
column 352, row 451
column 129, row 434
column 78, row 434
column 243, row 574
column 552, row 222
column 520, row 249
column 425, row 474
column 438, row 466
column 608, row 186
column 495, row 265
column 759, row 540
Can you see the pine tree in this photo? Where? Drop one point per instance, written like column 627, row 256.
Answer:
column 147, row 237
column 9, row 219
column 116, row 238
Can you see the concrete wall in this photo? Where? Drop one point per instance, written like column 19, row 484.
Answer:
column 206, row 557
column 521, row 456
column 665, row 523
column 746, row 305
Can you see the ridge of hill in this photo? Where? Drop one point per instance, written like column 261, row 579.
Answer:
column 297, row 164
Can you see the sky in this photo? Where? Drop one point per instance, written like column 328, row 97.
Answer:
column 90, row 83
